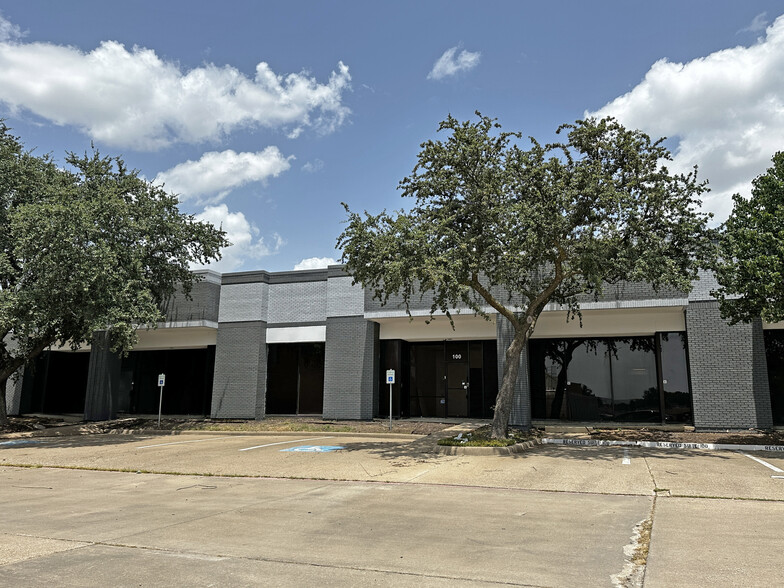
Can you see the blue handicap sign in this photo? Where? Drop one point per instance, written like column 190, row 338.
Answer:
column 314, row 448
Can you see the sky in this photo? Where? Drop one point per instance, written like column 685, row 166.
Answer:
column 265, row 116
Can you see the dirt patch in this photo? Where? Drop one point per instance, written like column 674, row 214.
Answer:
column 747, row 437
column 271, row 424
column 24, row 424
column 71, row 425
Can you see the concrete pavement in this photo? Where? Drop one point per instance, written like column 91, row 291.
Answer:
column 76, row 528
column 383, row 510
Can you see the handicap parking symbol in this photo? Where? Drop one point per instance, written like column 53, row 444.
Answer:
column 314, row 448
column 21, row 442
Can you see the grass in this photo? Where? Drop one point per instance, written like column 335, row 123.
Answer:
column 481, row 438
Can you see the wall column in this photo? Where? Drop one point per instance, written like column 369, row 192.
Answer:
column 103, row 380
column 240, row 381
column 351, row 368
column 728, row 369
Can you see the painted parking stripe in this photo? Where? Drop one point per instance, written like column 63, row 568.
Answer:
column 763, row 462
column 194, row 441
column 284, row 442
column 626, row 460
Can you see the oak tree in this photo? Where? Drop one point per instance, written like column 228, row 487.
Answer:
column 750, row 268
column 498, row 228
column 92, row 247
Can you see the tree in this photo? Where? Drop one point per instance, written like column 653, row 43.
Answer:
column 498, row 228
column 92, row 248
column 750, row 268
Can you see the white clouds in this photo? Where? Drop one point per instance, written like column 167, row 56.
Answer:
column 726, row 109
column 8, row 30
column 136, row 99
column 217, row 173
column 758, row 24
column 247, row 244
column 450, row 64
column 314, row 166
column 315, row 263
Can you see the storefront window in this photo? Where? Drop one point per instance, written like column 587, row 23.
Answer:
column 774, row 351
column 675, row 377
column 609, row 379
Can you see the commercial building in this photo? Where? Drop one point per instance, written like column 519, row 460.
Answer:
column 256, row 343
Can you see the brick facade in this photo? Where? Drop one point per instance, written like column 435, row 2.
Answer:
column 350, row 368
column 728, row 369
column 729, row 378
column 240, row 380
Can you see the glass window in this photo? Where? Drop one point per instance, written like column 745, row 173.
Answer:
column 774, row 351
column 634, row 382
column 616, row 379
column 675, row 377
column 570, row 379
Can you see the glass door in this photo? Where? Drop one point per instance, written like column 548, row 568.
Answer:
column 457, row 378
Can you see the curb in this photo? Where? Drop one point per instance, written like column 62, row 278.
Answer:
column 662, row 445
column 462, row 450
column 54, row 432
column 290, row 433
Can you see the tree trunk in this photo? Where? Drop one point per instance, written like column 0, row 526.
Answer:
column 3, row 411
column 503, row 402
column 560, row 389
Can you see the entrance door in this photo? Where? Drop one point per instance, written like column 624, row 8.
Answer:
column 457, row 378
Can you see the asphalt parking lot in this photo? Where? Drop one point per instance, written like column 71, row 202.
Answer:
column 205, row 508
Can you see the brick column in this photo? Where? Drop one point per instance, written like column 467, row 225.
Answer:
column 350, row 368
column 240, row 381
column 729, row 377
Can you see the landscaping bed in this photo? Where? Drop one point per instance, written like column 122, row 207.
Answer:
column 269, row 424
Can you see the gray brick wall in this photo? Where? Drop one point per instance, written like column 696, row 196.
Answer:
column 350, row 368
column 203, row 305
column 728, row 371
column 521, row 407
column 297, row 302
column 244, row 302
column 13, row 394
column 623, row 292
column 343, row 299
column 240, row 381
column 701, row 288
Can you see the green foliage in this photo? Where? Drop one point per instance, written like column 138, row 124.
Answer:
column 750, row 270
column 496, row 225
column 87, row 248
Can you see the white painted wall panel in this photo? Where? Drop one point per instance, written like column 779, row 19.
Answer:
column 611, row 323
column 315, row 334
column 466, row 327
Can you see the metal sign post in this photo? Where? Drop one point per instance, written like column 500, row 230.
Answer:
column 161, row 384
column 390, row 381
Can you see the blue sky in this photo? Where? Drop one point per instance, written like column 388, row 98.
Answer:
column 265, row 116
